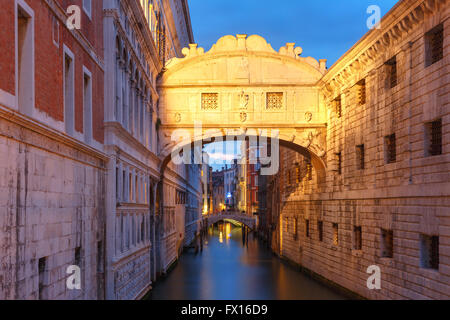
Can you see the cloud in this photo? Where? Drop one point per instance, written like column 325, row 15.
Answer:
column 219, row 156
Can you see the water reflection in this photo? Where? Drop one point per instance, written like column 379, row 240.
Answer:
column 230, row 268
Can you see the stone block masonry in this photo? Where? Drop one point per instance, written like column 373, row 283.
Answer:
column 385, row 200
column 52, row 216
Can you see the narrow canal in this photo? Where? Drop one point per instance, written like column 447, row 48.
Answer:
column 228, row 269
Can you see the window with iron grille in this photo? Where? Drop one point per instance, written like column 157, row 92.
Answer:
column 335, row 234
column 309, row 170
column 210, row 101
column 433, row 138
column 43, row 279
column 338, row 159
column 360, row 157
column 338, row 106
column 307, row 228
column 357, row 236
column 361, row 92
column 295, row 228
column 392, row 72
column 429, row 251
column 274, row 100
column 387, row 243
column 434, row 45
column 390, row 148
column 320, row 230
column 77, row 260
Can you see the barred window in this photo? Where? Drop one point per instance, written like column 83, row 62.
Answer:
column 434, row 45
column 274, row 100
column 338, row 159
column 392, row 72
column 338, row 106
column 309, row 170
column 320, row 230
column 390, row 147
column 335, row 234
column 361, row 92
column 433, row 138
column 429, row 251
column 360, row 157
column 357, row 236
column 210, row 101
column 387, row 243
column 307, row 228
column 295, row 228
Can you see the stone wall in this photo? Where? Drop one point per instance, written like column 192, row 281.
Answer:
column 52, row 209
column 407, row 198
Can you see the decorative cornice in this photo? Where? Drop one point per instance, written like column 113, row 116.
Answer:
column 395, row 25
column 46, row 131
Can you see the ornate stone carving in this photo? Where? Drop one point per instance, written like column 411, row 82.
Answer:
column 308, row 116
column 177, row 117
column 315, row 141
column 243, row 100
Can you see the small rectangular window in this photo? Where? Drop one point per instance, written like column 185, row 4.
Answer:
column 429, row 251
column 309, row 173
column 434, row 45
column 361, row 92
column 100, row 257
column 360, row 157
column 357, row 236
column 43, row 279
column 338, row 159
column 391, row 66
column 338, row 106
column 335, row 234
column 77, row 258
column 320, row 230
column 295, row 228
column 387, row 243
column 433, row 138
column 307, row 228
column 390, row 146
column 274, row 100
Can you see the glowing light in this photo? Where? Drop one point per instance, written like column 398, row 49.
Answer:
column 221, row 237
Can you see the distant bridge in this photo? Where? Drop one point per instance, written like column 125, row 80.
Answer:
column 249, row 221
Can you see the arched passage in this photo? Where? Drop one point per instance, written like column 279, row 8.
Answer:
column 307, row 146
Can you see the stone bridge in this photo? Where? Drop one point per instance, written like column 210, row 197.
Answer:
column 249, row 221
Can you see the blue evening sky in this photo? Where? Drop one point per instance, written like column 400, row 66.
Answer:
column 325, row 29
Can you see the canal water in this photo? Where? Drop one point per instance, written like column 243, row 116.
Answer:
column 228, row 269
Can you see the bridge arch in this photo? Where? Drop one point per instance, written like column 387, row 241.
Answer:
column 249, row 221
column 243, row 86
column 310, row 145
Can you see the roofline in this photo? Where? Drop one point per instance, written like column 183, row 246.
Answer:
column 391, row 16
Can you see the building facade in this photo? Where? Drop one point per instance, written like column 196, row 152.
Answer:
column 385, row 199
column 53, row 168
column 145, row 238
column 82, row 184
